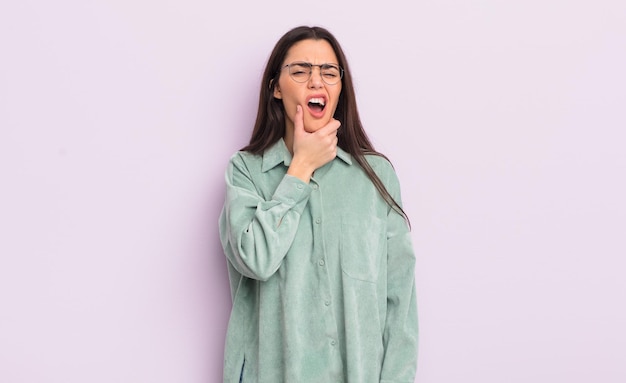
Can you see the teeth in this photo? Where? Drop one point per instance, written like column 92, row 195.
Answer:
column 317, row 101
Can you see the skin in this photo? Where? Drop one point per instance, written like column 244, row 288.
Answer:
column 311, row 139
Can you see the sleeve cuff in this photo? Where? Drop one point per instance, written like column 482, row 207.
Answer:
column 293, row 192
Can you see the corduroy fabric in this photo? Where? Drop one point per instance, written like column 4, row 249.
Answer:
column 322, row 274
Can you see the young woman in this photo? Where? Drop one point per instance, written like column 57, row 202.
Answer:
column 320, row 258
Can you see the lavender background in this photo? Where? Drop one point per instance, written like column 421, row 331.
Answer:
column 505, row 122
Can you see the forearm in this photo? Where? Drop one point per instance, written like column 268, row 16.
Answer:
column 257, row 234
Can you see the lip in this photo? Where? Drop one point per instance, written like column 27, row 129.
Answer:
column 314, row 113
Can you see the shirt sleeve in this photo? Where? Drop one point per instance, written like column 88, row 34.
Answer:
column 257, row 233
column 401, row 328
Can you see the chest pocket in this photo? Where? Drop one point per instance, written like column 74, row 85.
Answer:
column 362, row 245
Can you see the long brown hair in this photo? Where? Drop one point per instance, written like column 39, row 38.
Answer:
column 270, row 121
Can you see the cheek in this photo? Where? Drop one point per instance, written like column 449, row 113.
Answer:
column 334, row 106
column 289, row 107
column 336, row 98
column 292, row 96
column 288, row 91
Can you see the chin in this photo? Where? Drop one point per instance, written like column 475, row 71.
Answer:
column 314, row 128
column 315, row 125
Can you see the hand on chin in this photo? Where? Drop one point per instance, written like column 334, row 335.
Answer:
column 314, row 124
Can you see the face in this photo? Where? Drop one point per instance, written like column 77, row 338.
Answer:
column 318, row 99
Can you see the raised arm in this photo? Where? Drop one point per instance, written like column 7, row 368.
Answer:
column 256, row 234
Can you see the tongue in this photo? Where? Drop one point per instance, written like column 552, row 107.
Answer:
column 316, row 107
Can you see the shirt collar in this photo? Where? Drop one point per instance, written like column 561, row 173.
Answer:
column 278, row 153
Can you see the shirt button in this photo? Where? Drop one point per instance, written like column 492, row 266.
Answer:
column 321, row 262
column 318, row 221
column 327, row 303
column 315, row 187
column 333, row 342
column 299, row 186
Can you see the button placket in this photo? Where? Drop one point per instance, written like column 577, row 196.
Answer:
column 325, row 298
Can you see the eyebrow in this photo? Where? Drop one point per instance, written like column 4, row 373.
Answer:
column 308, row 63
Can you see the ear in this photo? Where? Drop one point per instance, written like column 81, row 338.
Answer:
column 277, row 92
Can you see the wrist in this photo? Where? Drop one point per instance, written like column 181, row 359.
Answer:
column 300, row 170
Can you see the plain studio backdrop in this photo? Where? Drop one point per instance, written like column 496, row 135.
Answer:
column 505, row 121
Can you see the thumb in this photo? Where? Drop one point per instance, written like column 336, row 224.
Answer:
column 298, row 122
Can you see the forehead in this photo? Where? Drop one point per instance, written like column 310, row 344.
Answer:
column 313, row 51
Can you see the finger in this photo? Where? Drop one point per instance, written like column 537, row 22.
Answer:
column 330, row 128
column 299, row 119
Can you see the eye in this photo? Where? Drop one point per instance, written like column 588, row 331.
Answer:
column 300, row 70
column 330, row 71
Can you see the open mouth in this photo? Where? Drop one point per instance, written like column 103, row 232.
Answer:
column 317, row 105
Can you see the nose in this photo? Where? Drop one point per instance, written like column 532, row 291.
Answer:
column 316, row 78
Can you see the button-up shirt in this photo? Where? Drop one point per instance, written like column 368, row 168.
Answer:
column 321, row 273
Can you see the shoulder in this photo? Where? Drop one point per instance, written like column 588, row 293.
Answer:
column 384, row 169
column 243, row 158
column 242, row 162
column 380, row 164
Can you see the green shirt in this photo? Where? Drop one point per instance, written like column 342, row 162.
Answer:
column 322, row 274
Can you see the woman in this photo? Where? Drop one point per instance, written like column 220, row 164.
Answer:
column 319, row 253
